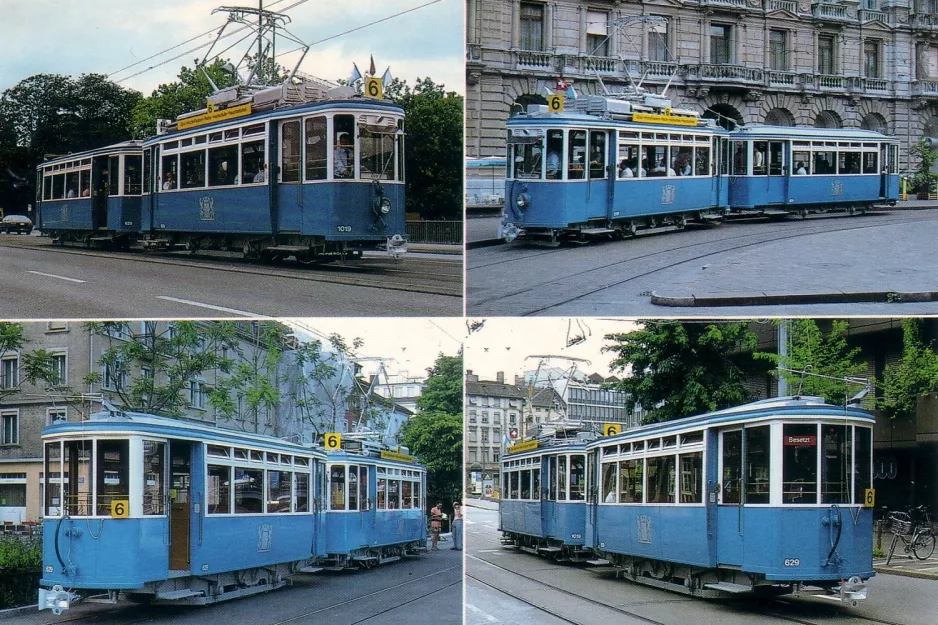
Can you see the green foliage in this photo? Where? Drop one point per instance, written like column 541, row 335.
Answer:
column 913, row 376
column 924, row 178
column 11, row 336
column 681, row 369
column 433, row 149
column 21, row 554
column 436, row 439
column 443, row 389
column 818, row 354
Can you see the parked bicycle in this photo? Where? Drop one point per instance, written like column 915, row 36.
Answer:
column 921, row 541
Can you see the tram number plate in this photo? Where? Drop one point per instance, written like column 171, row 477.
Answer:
column 792, row 562
column 344, row 228
column 120, row 508
column 576, row 536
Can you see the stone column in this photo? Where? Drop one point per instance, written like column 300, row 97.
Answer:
column 515, row 24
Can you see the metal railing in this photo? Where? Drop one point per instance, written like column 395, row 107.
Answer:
column 538, row 60
column 867, row 15
column 447, row 232
column 782, row 5
column 824, row 9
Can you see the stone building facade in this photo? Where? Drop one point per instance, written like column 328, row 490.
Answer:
column 870, row 64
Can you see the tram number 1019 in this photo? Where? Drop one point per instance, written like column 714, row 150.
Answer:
column 792, row 562
column 344, row 228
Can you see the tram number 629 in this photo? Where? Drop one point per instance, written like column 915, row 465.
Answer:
column 792, row 562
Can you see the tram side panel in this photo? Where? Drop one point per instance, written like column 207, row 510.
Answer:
column 649, row 196
column 342, row 211
column 671, row 533
column 567, row 522
column 73, row 214
column 244, row 210
column 124, row 214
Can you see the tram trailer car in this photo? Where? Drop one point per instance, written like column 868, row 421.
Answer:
column 609, row 167
column 771, row 497
column 543, row 505
column 375, row 509
column 166, row 510
column 798, row 170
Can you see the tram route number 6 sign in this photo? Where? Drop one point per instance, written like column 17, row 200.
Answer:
column 611, row 429
column 333, row 440
column 374, row 88
column 555, row 103
column 120, row 509
column 869, row 498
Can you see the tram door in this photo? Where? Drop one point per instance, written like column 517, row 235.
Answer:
column 289, row 189
column 180, row 453
column 730, row 508
column 884, row 169
column 600, row 188
column 592, row 498
column 99, row 192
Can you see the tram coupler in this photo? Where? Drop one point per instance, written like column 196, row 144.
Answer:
column 853, row 591
column 58, row 599
column 397, row 247
column 509, row 232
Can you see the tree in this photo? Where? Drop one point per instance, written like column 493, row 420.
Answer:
column 677, row 370
column 12, row 339
column 914, row 375
column 435, row 434
column 825, row 359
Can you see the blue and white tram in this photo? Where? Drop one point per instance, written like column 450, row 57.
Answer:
column 167, row 510
column 610, row 167
column 802, row 169
column 374, row 510
column 93, row 196
column 543, row 504
column 773, row 497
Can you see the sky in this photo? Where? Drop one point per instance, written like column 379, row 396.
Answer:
column 503, row 343
column 409, row 344
column 76, row 37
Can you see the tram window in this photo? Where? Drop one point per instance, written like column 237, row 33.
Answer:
column 514, row 480
column 577, row 478
column 576, row 155
column 552, row 478
column 219, row 489
column 78, row 478
column 528, row 159
column 147, row 173
column 337, row 488
column 193, row 169
column 824, row 163
column 290, row 151
column 302, row 492
column 153, row 463
column 377, row 155
column 47, row 187
column 692, row 438
column 112, row 176
column 316, row 148
column 252, row 162
column 776, row 159
column 394, row 494
column 801, row 163
column 132, row 175
column 186, row 142
column 257, row 456
column 702, row 161
column 597, row 154
column 893, row 159
column 71, row 184
column 58, row 187
column 609, row 482
column 353, row 487
column 53, row 479
column 756, row 475
column 170, row 169
column 848, row 163
column 256, row 129
column 112, row 467
column 223, row 165
column 836, row 460
column 407, row 495
column 240, row 454
column 382, row 494
column 525, row 484
column 732, row 466
column 218, row 451
column 684, row 161
column 343, row 153
column 365, row 503
column 535, row 484
column 863, row 460
column 799, row 464
column 759, row 157
column 249, row 491
column 273, row 458
column 740, row 159
column 660, row 476
column 870, row 165
column 279, row 494
column 628, row 162
column 400, row 149
column 554, row 152
column 232, row 134
column 668, row 441
column 657, row 161
column 692, row 477
column 214, row 137
column 631, row 480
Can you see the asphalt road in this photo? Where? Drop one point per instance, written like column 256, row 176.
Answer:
column 39, row 281
column 832, row 253
column 427, row 589
column 505, row 586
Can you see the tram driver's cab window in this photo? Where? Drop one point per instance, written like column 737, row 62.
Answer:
column 376, row 144
column 113, row 474
column 799, row 464
column 577, row 478
column 576, row 155
column 608, row 493
column 343, row 154
column 597, row 155
column 836, row 463
column 554, row 154
column 527, row 159
column 316, row 160
column 337, row 488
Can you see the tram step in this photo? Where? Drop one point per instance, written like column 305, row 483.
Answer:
column 530, row 550
column 100, row 239
column 591, row 231
column 389, row 559
column 309, row 569
column 549, row 549
column 598, row 562
column 729, row 587
column 605, row 569
column 173, row 595
column 287, row 248
column 100, row 599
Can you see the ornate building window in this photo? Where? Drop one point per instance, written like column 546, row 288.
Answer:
column 778, row 50
column 658, row 41
column 597, row 31
column 721, row 49
column 825, row 54
column 871, row 66
column 532, row 26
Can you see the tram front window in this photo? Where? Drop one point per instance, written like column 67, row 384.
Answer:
column 577, row 478
column 528, row 159
column 799, row 464
column 112, row 468
column 554, row 152
column 337, row 488
column 377, row 154
column 576, row 155
column 862, row 471
column 757, row 465
column 609, row 482
column 732, row 466
column 836, row 463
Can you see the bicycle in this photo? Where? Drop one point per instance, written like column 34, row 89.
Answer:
column 922, row 539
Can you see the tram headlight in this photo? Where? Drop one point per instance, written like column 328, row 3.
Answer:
column 383, row 205
column 523, row 201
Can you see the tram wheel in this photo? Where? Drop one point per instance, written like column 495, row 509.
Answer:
column 681, row 223
column 803, row 213
column 192, row 246
column 631, row 229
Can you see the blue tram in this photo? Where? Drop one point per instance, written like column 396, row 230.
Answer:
column 374, row 509
column 92, row 196
column 609, row 167
column 803, row 169
column 543, row 504
column 168, row 510
column 770, row 497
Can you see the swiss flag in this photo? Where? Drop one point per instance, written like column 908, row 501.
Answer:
column 562, row 84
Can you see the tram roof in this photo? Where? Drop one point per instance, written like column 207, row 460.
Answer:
column 354, row 457
column 122, row 147
column 776, row 407
column 810, row 133
column 142, row 423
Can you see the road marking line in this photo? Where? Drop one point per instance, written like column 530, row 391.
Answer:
column 488, row 617
column 52, row 275
column 235, row 311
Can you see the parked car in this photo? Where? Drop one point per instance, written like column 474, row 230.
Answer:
column 16, row 223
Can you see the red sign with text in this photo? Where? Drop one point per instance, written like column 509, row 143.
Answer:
column 800, row 441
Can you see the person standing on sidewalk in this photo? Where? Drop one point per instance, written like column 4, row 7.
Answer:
column 436, row 522
column 457, row 526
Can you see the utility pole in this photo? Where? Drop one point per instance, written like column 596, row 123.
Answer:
column 782, row 355
column 260, row 35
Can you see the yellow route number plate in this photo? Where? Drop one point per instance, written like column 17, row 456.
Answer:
column 333, row 440
column 555, row 103
column 611, row 429
column 869, row 498
column 374, row 88
column 120, row 508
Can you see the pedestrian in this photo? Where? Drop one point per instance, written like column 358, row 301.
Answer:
column 436, row 522
column 457, row 526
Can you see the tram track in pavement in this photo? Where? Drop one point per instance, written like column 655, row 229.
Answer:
column 364, row 273
column 615, row 267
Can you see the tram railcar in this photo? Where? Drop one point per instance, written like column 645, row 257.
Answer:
column 375, row 507
column 543, row 505
column 166, row 510
column 771, row 497
column 302, row 170
column 798, row 170
column 610, row 166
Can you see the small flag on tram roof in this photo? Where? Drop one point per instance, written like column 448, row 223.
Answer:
column 571, row 93
column 356, row 75
column 371, row 71
column 386, row 79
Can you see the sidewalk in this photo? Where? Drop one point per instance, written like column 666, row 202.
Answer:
column 902, row 565
column 485, row 504
column 436, row 248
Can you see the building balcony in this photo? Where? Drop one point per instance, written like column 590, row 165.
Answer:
column 828, row 11
column 781, row 5
column 735, row 4
column 653, row 69
column 600, row 64
column 923, row 21
column 535, row 60
column 927, row 88
column 781, row 79
column 866, row 15
column 865, row 84
column 732, row 73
